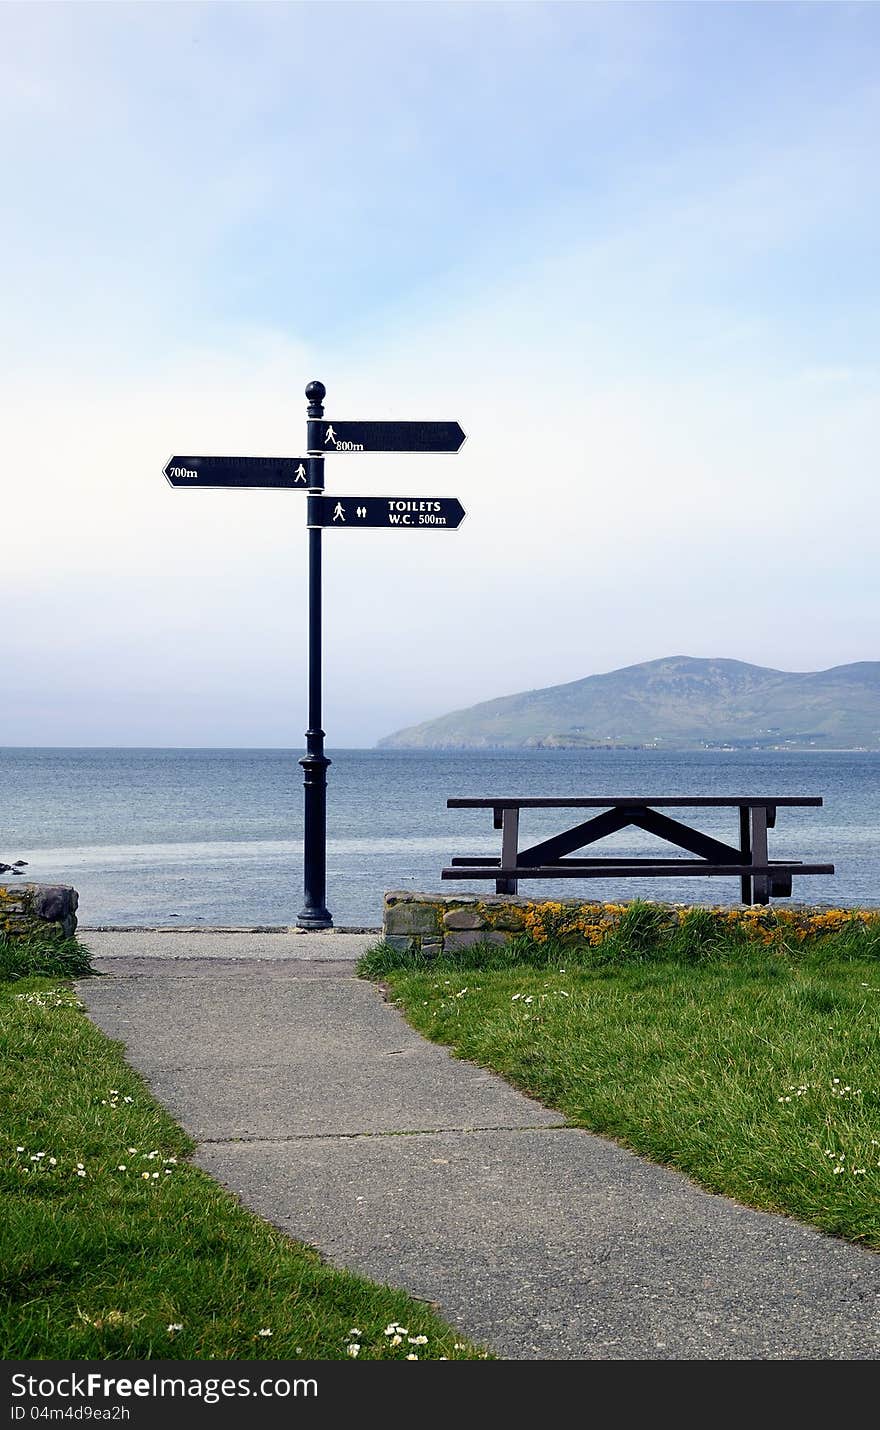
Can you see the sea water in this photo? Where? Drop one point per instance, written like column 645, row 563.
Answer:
column 215, row 836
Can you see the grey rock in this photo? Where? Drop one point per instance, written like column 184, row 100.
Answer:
column 411, row 918
column 401, row 943
column 54, row 901
column 464, row 919
column 468, row 938
column 510, row 921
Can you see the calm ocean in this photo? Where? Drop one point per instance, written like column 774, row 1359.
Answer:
column 215, row 836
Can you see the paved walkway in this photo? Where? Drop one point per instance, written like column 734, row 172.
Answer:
column 314, row 1101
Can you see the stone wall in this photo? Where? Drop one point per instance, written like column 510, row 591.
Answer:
column 432, row 923
column 27, row 909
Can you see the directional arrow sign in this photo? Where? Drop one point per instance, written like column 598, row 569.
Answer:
column 407, row 513
column 385, row 436
column 287, row 472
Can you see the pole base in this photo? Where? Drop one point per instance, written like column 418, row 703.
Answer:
column 314, row 919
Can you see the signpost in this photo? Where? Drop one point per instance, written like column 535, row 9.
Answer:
column 405, row 513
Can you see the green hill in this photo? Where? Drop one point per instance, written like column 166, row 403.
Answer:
column 677, row 703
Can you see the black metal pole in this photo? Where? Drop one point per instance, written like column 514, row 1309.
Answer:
column 314, row 913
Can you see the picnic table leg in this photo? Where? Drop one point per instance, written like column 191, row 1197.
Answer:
column 509, row 849
column 760, row 882
column 745, row 845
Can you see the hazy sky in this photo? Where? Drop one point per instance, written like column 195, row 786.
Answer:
column 633, row 248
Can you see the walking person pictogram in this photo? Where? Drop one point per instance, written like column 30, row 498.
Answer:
column 339, row 512
column 330, row 436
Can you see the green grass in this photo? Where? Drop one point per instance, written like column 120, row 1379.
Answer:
column 99, row 1266
column 42, row 956
column 755, row 1071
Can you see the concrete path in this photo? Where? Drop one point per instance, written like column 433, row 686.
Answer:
column 313, row 1100
column 248, row 944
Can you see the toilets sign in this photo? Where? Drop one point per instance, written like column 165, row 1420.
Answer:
column 410, row 513
column 405, row 513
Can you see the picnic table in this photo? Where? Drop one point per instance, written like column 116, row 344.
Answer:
column 760, row 877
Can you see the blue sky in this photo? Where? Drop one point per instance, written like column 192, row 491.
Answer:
column 633, row 248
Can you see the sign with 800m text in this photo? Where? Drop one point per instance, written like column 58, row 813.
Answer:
column 384, row 436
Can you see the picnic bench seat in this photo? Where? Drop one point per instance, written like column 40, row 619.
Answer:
column 760, row 877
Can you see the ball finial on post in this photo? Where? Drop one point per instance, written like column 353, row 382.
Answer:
column 316, row 392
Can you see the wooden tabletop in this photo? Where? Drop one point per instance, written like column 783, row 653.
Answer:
column 637, row 801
